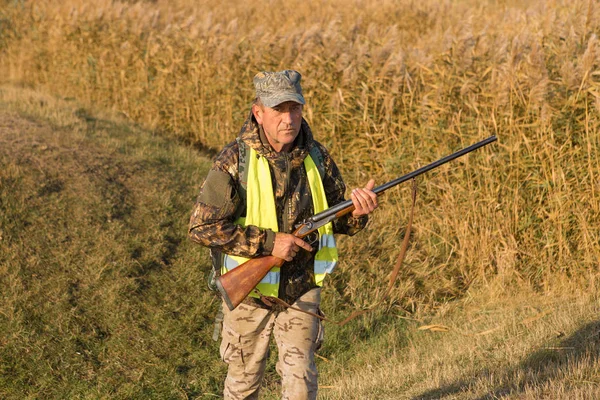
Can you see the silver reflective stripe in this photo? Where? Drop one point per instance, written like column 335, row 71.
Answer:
column 230, row 263
column 271, row 278
column 324, row 267
column 326, row 241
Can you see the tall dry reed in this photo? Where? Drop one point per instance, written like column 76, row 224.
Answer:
column 390, row 86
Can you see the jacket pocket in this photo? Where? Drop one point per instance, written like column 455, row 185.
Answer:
column 230, row 349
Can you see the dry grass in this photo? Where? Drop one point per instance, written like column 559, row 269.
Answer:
column 506, row 344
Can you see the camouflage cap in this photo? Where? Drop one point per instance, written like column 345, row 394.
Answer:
column 273, row 88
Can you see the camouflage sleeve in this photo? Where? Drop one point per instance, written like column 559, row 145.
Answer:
column 335, row 189
column 212, row 221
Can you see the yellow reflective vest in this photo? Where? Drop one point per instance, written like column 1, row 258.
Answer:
column 261, row 212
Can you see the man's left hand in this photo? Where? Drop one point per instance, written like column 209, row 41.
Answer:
column 364, row 200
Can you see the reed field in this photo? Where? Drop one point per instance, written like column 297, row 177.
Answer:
column 503, row 269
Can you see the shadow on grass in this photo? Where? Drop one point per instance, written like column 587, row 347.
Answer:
column 581, row 349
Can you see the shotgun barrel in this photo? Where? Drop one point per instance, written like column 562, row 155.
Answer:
column 379, row 189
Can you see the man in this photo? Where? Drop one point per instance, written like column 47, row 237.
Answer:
column 270, row 178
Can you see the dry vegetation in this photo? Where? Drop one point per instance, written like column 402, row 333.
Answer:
column 500, row 344
column 391, row 86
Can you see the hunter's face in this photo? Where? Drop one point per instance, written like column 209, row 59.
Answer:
column 280, row 123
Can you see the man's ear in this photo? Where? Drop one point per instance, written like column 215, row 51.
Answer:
column 258, row 113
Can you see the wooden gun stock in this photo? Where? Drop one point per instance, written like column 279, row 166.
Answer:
column 236, row 284
column 239, row 282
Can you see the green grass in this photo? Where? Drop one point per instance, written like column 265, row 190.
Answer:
column 103, row 294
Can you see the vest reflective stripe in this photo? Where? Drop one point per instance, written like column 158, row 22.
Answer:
column 272, row 276
column 261, row 212
column 327, row 256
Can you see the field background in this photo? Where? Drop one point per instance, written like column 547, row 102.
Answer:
column 111, row 111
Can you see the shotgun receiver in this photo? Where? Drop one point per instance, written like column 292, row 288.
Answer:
column 237, row 283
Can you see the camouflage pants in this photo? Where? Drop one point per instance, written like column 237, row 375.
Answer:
column 245, row 347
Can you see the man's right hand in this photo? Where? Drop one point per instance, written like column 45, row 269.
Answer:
column 286, row 246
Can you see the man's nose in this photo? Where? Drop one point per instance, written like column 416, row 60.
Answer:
column 286, row 117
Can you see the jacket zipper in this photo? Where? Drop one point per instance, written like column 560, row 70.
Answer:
column 285, row 224
column 286, row 200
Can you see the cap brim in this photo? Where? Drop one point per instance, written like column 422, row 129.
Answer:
column 272, row 101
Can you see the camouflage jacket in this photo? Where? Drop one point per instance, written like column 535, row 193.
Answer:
column 220, row 204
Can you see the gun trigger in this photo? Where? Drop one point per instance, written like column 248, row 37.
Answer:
column 312, row 238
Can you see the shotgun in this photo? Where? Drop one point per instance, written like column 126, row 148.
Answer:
column 237, row 283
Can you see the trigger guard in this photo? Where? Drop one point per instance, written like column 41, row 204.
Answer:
column 312, row 238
